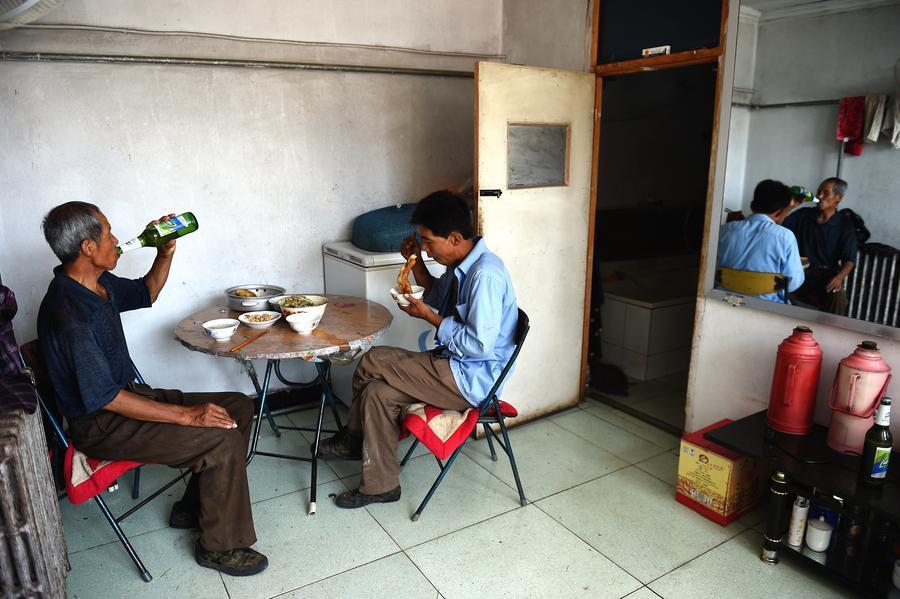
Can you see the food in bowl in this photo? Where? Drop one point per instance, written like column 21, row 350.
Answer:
column 244, row 293
column 259, row 320
column 403, row 285
column 297, row 301
column 258, row 317
column 399, row 297
column 308, row 304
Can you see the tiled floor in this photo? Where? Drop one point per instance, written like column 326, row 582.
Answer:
column 601, row 523
column 661, row 399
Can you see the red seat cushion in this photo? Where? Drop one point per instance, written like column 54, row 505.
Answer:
column 441, row 431
column 508, row 410
column 88, row 477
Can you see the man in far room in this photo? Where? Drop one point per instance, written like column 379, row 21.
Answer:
column 759, row 243
column 828, row 240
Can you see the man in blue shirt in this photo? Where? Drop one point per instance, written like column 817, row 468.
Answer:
column 112, row 418
column 475, row 327
column 759, row 243
column 827, row 238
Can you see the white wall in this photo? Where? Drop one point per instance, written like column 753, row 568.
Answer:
column 472, row 26
column 739, row 134
column 734, row 348
column 821, row 58
column 735, row 356
column 272, row 162
column 547, row 33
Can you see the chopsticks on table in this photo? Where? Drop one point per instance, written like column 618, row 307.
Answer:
column 246, row 341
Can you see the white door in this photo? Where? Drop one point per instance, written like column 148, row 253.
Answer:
column 534, row 132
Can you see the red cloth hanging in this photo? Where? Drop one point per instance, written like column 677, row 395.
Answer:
column 851, row 119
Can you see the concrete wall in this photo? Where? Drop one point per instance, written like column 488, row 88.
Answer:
column 821, row 58
column 472, row 26
column 547, row 33
column 272, row 162
column 734, row 348
column 739, row 133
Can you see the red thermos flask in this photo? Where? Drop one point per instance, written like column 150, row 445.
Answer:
column 794, row 384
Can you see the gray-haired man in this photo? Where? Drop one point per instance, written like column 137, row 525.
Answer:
column 111, row 418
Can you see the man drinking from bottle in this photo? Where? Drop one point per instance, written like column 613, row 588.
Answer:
column 113, row 418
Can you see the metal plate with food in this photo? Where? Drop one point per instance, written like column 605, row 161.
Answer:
column 253, row 298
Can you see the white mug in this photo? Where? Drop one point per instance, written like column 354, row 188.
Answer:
column 818, row 534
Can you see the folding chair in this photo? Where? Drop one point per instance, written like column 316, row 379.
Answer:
column 491, row 411
column 103, row 473
column 748, row 282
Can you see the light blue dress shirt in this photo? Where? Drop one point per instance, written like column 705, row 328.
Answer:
column 482, row 338
column 759, row 244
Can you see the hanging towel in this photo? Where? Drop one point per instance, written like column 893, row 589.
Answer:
column 887, row 123
column 874, row 117
column 893, row 116
column 851, row 118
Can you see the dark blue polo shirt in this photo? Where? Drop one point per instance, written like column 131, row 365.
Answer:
column 827, row 245
column 83, row 342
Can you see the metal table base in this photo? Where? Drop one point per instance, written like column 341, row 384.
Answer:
column 323, row 379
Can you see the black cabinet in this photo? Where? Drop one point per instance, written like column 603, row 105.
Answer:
column 805, row 465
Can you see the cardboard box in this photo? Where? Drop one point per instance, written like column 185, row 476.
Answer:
column 718, row 483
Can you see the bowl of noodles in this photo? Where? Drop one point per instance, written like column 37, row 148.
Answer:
column 295, row 303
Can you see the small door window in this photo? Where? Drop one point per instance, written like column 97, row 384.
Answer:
column 537, row 155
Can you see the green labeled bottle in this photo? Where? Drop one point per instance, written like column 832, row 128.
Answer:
column 805, row 195
column 876, row 454
column 162, row 233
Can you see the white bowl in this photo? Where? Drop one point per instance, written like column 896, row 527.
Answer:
column 320, row 303
column 303, row 322
column 273, row 318
column 221, row 329
column 417, row 293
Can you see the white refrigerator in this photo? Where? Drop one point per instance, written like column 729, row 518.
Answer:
column 350, row 270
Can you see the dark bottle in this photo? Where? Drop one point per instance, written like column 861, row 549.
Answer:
column 877, row 448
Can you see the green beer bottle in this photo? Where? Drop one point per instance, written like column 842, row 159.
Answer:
column 877, row 448
column 798, row 191
column 162, row 233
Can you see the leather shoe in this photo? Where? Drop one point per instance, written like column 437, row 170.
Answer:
column 350, row 500
column 342, row 446
column 184, row 517
column 234, row 562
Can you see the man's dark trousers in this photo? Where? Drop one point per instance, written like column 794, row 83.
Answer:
column 217, row 488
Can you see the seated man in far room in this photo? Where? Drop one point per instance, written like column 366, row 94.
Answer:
column 828, row 239
column 759, row 243
column 475, row 326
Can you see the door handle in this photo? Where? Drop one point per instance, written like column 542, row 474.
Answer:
column 490, row 192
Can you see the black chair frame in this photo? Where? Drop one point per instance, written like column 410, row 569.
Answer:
column 112, row 519
column 489, row 414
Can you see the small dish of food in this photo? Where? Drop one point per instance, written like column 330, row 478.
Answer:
column 259, row 320
column 221, row 329
column 303, row 323
column 307, row 304
column 417, row 292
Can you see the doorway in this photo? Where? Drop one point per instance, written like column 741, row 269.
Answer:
column 656, row 132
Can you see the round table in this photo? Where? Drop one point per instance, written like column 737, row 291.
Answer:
column 349, row 327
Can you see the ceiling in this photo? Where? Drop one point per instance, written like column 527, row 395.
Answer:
column 776, row 9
